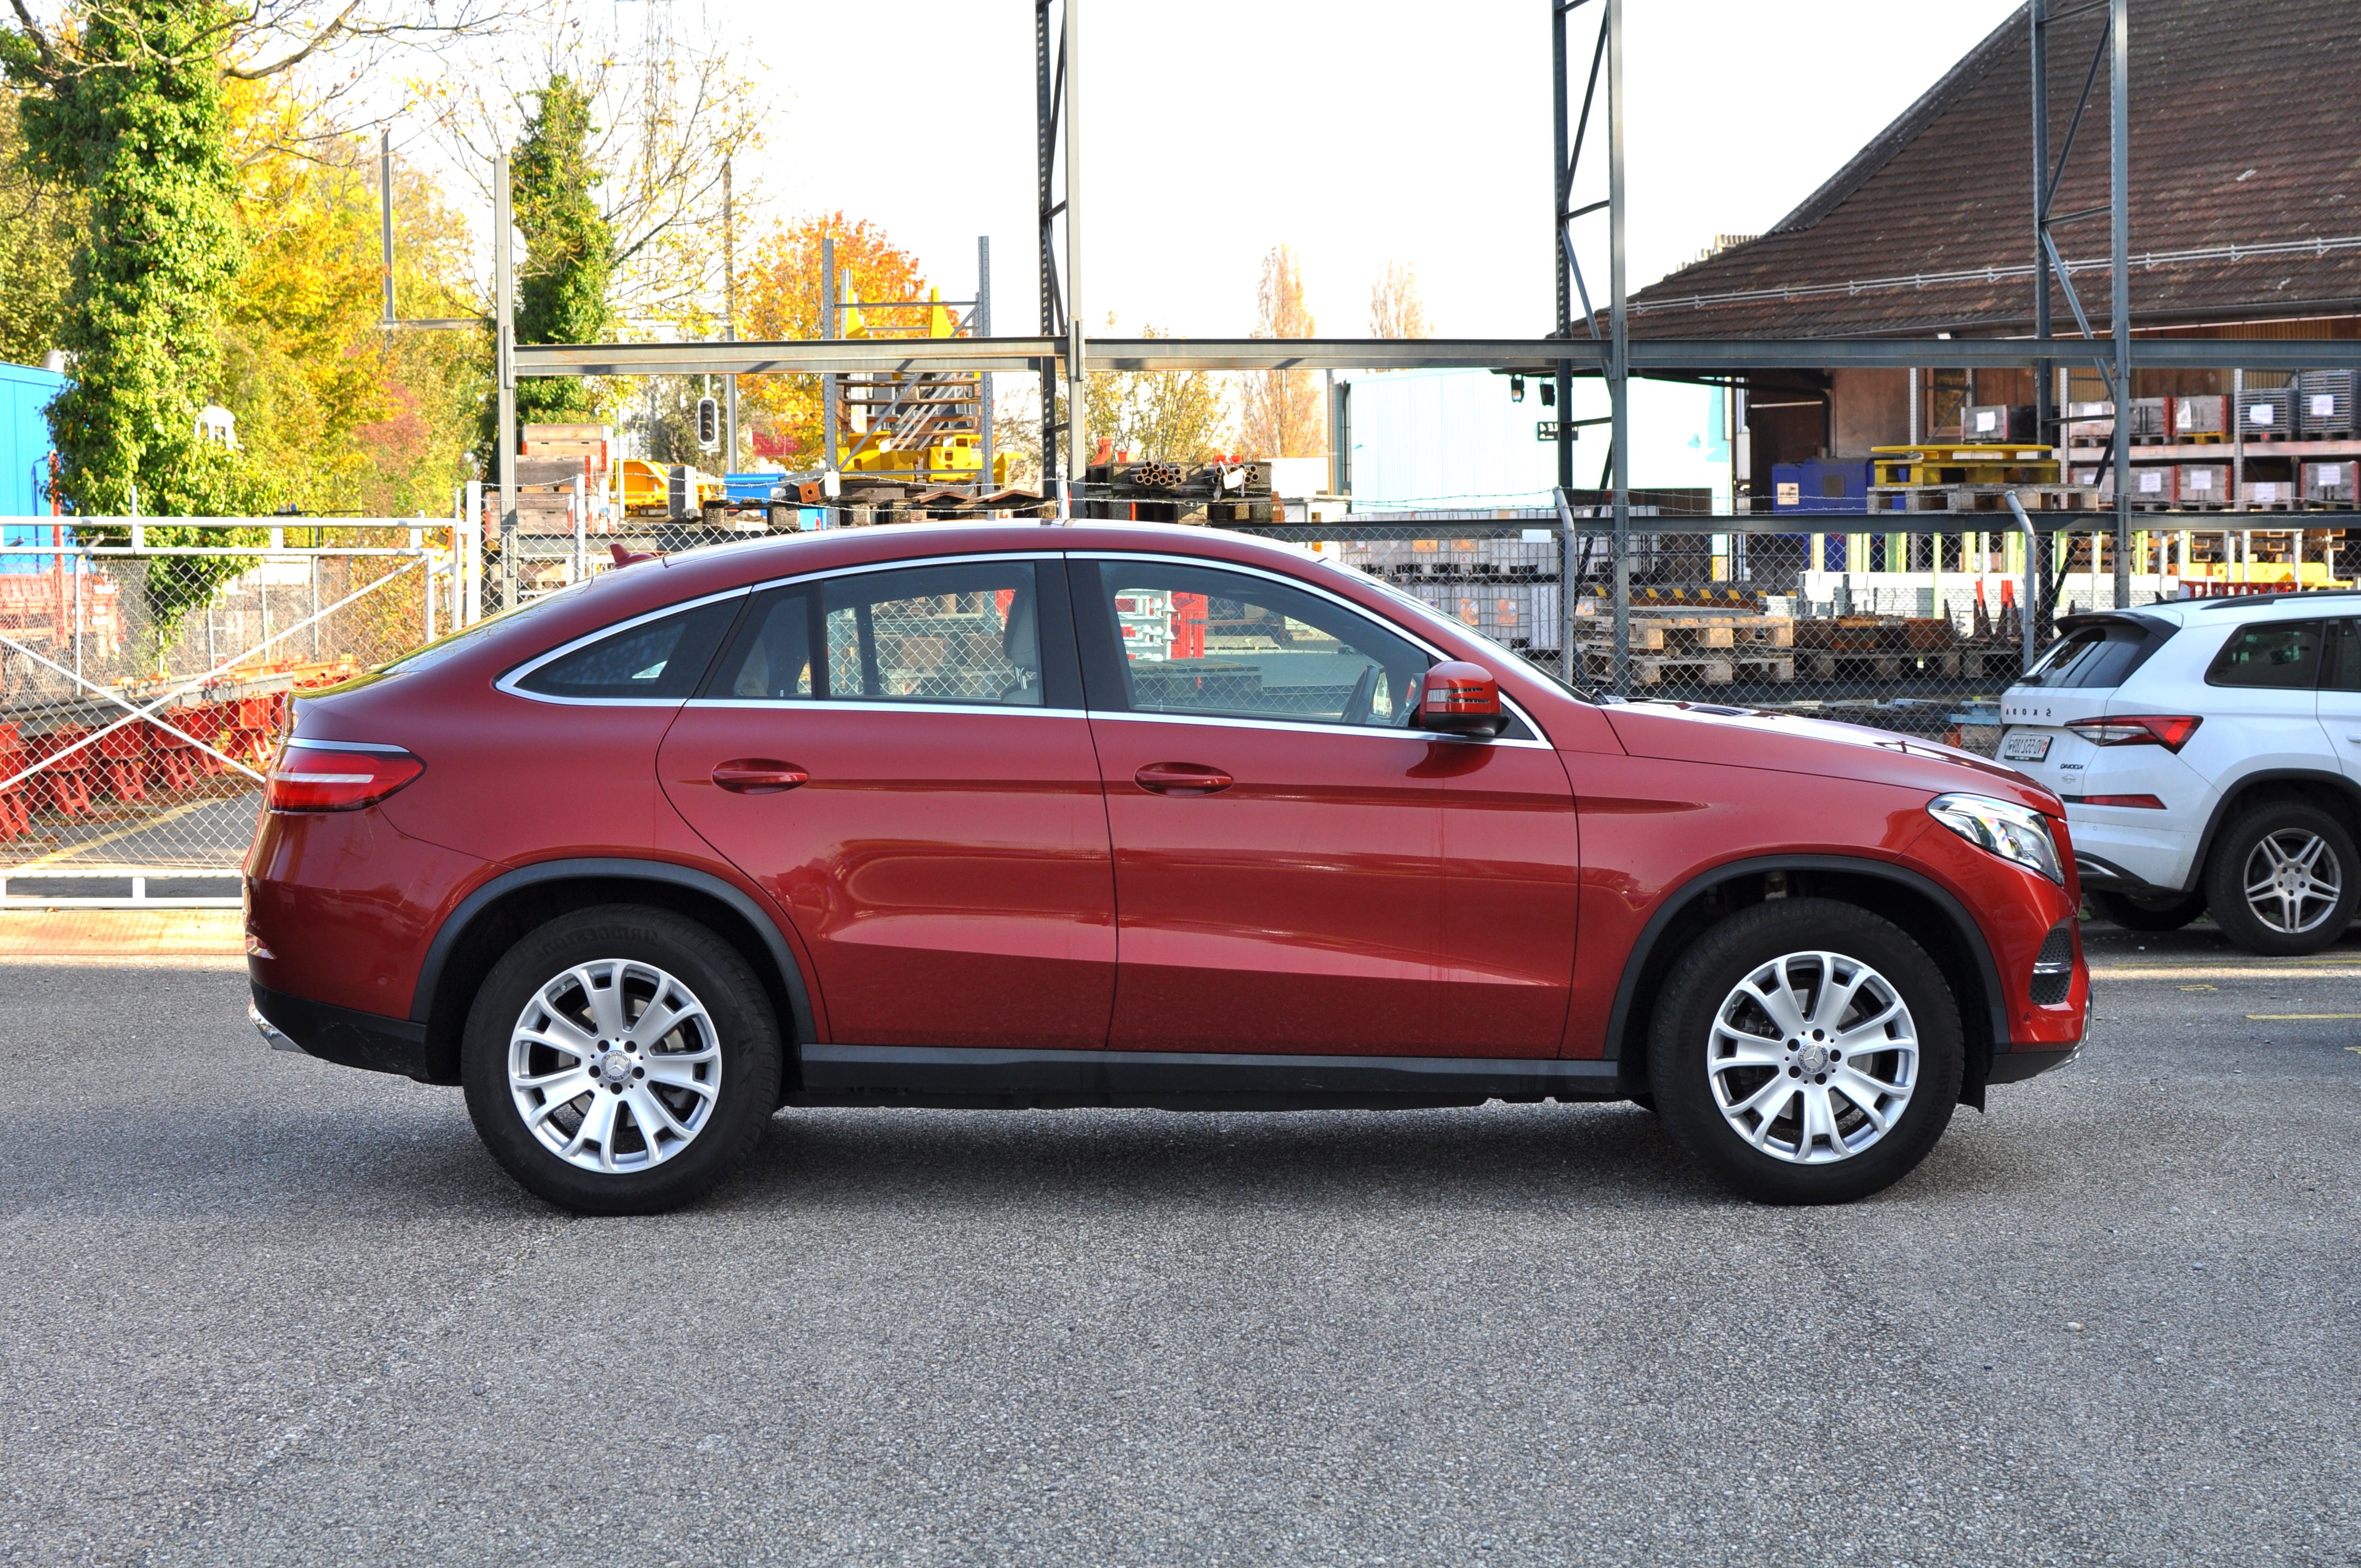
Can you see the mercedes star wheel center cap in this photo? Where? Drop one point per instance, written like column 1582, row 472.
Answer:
column 1813, row 1058
column 617, row 1067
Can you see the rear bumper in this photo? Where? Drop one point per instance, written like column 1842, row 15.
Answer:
column 340, row 1035
column 2131, row 856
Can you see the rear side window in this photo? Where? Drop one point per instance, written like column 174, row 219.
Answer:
column 2103, row 655
column 659, row 660
column 2282, row 655
column 959, row 633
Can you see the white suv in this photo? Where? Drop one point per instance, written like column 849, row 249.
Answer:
column 2209, row 754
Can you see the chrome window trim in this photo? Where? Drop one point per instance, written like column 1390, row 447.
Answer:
column 1429, row 736
column 508, row 684
column 1541, row 735
column 343, row 745
column 864, row 704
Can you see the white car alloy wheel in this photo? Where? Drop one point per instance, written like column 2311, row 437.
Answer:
column 2293, row 881
column 615, row 1066
column 1813, row 1058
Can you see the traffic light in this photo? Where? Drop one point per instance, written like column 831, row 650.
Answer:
column 708, row 423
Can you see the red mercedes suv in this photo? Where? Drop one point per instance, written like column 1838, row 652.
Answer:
column 1102, row 813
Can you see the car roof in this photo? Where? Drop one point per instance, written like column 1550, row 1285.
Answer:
column 2292, row 606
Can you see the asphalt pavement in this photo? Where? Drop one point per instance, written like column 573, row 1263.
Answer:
column 257, row 1309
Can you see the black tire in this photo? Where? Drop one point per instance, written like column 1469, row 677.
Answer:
column 1682, row 1039
column 2146, row 912
column 739, row 1041
column 2289, row 824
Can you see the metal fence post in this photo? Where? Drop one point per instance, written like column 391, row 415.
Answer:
column 1568, row 660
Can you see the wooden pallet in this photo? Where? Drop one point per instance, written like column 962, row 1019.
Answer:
column 1982, row 497
column 1883, row 666
column 1656, row 669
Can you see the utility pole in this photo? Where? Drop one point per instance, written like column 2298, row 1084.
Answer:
column 729, row 322
column 2119, row 248
column 1618, row 347
column 1077, row 374
column 504, row 288
column 828, row 329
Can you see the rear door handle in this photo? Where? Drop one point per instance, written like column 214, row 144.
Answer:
column 758, row 775
column 1182, row 778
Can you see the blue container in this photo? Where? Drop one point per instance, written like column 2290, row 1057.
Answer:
column 752, row 489
column 24, row 449
column 1821, row 485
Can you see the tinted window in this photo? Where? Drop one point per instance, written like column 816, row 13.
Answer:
column 2103, row 655
column 661, row 659
column 965, row 633
column 2343, row 671
column 2283, row 654
column 1202, row 640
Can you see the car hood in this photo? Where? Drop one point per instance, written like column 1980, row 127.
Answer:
column 1746, row 738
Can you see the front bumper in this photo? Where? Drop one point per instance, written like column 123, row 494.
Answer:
column 339, row 1034
column 2017, row 1066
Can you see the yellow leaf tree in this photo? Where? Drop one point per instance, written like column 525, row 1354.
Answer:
column 779, row 297
column 1280, row 413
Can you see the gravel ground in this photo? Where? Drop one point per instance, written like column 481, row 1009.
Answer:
column 257, row 1309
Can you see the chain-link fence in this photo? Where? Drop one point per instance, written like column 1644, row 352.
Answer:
column 144, row 667
column 1916, row 632
column 145, row 671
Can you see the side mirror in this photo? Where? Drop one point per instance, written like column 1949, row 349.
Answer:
column 1461, row 698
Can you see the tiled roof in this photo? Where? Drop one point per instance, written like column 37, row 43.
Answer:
column 2246, row 189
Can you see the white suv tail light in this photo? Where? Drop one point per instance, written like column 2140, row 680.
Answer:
column 2170, row 732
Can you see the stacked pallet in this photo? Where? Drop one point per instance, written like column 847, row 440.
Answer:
column 1972, row 478
column 1693, row 648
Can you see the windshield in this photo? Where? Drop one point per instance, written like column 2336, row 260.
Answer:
column 1427, row 611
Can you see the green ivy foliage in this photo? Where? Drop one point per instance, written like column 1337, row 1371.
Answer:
column 570, row 250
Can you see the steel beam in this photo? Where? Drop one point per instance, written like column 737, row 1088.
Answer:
column 1533, row 356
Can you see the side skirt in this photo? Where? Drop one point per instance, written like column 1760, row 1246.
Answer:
column 979, row 1078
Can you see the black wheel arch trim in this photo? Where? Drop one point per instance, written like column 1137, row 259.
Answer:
column 620, row 868
column 2219, row 817
column 1705, row 881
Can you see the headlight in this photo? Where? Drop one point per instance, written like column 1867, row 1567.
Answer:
column 2012, row 832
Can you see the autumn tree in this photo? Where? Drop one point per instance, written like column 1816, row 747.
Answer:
column 779, row 297
column 1396, row 307
column 1279, row 414
column 1174, row 416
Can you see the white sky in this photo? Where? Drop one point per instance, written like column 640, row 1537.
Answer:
column 1217, row 128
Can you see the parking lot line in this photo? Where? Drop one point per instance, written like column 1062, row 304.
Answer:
column 2286, row 1017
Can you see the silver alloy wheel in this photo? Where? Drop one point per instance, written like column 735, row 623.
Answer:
column 2293, row 881
column 615, row 1066
column 1813, row 1058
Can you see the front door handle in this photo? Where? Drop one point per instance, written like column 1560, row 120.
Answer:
column 758, row 775
column 1182, row 778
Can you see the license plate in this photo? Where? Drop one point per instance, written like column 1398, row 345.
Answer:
column 2025, row 749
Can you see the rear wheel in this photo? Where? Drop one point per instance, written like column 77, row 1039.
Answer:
column 620, row 1060
column 2282, row 879
column 2146, row 912
column 1807, row 1051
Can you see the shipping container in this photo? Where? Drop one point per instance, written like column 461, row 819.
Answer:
column 2202, row 485
column 2330, row 484
column 2268, row 413
column 2197, row 417
column 2325, row 404
column 1821, row 485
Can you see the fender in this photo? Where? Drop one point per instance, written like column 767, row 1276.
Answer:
column 438, row 952
column 1996, row 997
column 2233, row 787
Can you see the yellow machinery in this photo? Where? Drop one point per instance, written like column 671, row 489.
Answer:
column 646, row 489
column 922, row 429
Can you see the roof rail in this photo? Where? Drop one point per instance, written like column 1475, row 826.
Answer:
column 2234, row 601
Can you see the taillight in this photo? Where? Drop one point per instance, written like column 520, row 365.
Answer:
column 2171, row 733
column 317, row 775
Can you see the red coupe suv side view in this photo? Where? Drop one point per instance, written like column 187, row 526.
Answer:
column 1099, row 814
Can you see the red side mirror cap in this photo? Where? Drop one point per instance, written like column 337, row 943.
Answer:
column 1461, row 698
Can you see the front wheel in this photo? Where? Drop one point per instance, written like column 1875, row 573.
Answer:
column 620, row 1060
column 2146, row 912
column 1807, row 1051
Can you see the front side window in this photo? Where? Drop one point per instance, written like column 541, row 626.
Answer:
column 661, row 659
column 1199, row 639
column 2281, row 655
column 965, row 633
